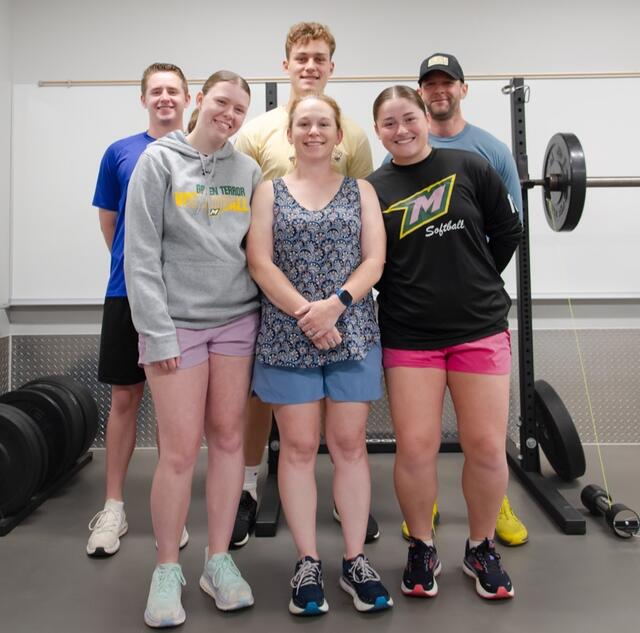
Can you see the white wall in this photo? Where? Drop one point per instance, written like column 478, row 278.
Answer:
column 5, row 158
column 85, row 39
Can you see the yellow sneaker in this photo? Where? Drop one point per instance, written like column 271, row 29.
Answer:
column 435, row 519
column 509, row 528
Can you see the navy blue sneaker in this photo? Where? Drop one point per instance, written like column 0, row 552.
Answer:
column 423, row 565
column 362, row 582
column 483, row 564
column 307, row 597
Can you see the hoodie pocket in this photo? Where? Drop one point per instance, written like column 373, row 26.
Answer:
column 207, row 292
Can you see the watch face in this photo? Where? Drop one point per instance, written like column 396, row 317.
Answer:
column 345, row 297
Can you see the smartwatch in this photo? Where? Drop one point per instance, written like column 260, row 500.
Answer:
column 345, row 297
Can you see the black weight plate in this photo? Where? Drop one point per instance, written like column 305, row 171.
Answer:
column 85, row 401
column 557, row 434
column 564, row 159
column 20, row 460
column 50, row 418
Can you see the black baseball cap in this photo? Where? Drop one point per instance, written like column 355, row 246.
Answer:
column 441, row 61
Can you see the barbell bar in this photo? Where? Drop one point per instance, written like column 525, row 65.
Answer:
column 565, row 181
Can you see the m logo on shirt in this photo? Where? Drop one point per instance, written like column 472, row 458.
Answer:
column 424, row 206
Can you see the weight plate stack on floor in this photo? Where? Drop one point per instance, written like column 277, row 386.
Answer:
column 82, row 400
column 62, row 437
column 23, row 459
column 557, row 433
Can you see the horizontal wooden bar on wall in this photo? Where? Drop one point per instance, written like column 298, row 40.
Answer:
column 75, row 83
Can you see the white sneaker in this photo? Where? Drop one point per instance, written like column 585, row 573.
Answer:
column 184, row 538
column 107, row 526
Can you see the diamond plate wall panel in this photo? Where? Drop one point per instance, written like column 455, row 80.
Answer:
column 4, row 364
column 75, row 356
column 611, row 359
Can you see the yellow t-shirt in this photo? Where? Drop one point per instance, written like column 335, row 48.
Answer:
column 265, row 140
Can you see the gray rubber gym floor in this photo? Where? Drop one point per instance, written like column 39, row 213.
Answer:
column 563, row 583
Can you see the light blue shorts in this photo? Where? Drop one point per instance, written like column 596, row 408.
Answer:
column 346, row 381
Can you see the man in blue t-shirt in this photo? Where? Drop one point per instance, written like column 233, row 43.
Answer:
column 442, row 88
column 165, row 95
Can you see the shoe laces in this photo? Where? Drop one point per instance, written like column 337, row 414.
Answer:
column 308, row 573
column 361, row 571
column 424, row 554
column 224, row 567
column 166, row 578
column 506, row 510
column 488, row 557
column 105, row 521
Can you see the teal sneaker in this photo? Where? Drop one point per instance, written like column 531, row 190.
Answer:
column 222, row 580
column 164, row 607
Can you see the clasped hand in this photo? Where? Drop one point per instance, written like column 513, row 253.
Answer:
column 317, row 320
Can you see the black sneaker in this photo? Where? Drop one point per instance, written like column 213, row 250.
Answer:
column 245, row 520
column 423, row 565
column 307, row 597
column 373, row 531
column 363, row 583
column 483, row 564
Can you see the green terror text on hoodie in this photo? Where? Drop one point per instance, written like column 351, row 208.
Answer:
column 186, row 219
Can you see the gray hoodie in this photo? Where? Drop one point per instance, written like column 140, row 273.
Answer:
column 186, row 218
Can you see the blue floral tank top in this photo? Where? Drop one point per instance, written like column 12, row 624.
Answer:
column 317, row 251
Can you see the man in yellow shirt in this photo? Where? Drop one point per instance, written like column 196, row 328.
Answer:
column 309, row 49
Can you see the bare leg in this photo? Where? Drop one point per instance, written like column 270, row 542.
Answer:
column 482, row 408
column 299, row 426
column 179, row 399
column 121, row 435
column 345, row 425
column 229, row 379
column 415, row 399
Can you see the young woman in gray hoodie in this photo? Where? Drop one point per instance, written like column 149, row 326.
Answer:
column 195, row 308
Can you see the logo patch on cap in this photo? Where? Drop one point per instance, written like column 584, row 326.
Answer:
column 440, row 60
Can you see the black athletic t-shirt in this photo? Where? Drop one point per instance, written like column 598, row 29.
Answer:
column 451, row 230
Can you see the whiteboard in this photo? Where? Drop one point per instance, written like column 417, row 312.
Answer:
column 60, row 134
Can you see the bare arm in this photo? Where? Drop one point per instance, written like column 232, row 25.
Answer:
column 107, row 220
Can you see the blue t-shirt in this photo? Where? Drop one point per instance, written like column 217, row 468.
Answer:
column 475, row 139
column 116, row 168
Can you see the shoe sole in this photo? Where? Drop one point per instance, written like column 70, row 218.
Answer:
column 512, row 543
column 206, row 586
column 369, row 538
column 419, row 591
column 311, row 608
column 105, row 552
column 364, row 607
column 239, row 544
column 501, row 594
column 161, row 624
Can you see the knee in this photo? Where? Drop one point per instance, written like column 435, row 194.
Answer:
column 126, row 400
column 299, row 451
column 487, row 453
column 179, row 460
column 417, row 452
column 348, row 449
column 227, row 438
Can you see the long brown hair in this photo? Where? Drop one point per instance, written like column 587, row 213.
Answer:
column 320, row 97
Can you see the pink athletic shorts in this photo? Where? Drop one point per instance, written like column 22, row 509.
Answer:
column 490, row 355
column 237, row 338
